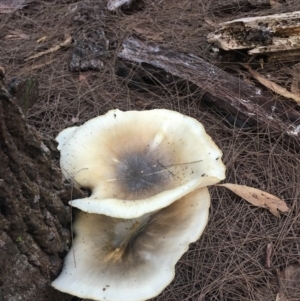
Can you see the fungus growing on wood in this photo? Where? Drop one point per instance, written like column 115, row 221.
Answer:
column 131, row 259
column 138, row 162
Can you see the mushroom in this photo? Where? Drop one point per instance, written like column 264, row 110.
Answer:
column 138, row 162
column 131, row 259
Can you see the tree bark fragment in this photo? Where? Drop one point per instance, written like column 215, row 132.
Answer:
column 225, row 91
column 34, row 215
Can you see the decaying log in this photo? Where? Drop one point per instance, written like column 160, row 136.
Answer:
column 266, row 34
column 34, row 214
column 225, row 91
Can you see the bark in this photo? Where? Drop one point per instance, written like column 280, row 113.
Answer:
column 34, row 215
column 224, row 91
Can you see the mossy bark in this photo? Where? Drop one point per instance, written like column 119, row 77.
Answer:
column 34, row 215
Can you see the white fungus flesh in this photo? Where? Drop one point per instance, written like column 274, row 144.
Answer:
column 138, row 162
column 131, row 260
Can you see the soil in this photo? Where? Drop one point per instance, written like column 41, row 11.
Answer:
column 85, row 78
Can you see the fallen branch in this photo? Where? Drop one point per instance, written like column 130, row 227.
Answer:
column 224, row 91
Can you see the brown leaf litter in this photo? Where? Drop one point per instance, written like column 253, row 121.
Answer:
column 258, row 198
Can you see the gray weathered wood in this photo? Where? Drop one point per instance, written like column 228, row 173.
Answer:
column 225, row 91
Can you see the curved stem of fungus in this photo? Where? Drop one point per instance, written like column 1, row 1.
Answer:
column 129, row 234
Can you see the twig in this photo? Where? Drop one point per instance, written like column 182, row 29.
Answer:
column 65, row 43
column 269, row 252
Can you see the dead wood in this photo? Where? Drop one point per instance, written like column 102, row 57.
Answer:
column 34, row 216
column 265, row 34
column 223, row 90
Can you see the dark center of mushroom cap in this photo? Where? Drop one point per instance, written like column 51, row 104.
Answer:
column 141, row 172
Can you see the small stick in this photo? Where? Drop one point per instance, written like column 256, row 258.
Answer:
column 65, row 43
column 269, row 252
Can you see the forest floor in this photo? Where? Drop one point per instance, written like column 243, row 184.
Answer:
column 81, row 77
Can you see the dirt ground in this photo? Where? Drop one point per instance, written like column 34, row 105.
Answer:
column 85, row 78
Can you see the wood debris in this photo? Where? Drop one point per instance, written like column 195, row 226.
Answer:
column 269, row 253
column 220, row 89
column 266, row 34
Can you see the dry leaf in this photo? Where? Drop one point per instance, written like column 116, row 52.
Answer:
column 290, row 277
column 287, row 286
column 271, row 85
column 258, row 198
column 289, row 282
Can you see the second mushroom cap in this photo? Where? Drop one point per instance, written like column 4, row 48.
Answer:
column 131, row 259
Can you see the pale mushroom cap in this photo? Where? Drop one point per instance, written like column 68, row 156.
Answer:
column 64, row 136
column 151, row 158
column 131, row 260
